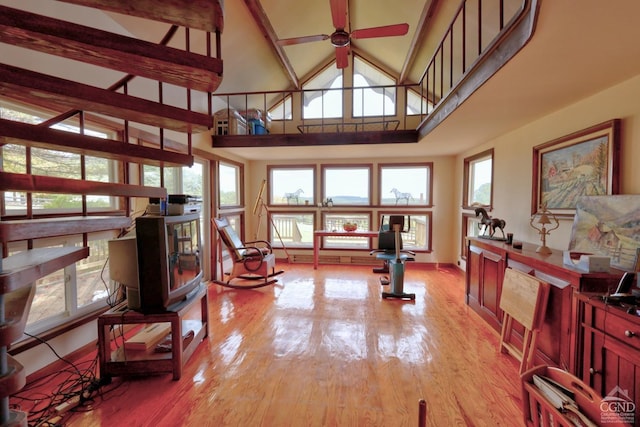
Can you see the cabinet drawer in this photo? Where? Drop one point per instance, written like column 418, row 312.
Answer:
column 623, row 329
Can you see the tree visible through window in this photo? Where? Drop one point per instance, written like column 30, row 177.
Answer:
column 229, row 184
column 478, row 172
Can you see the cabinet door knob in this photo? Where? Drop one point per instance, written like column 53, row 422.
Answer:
column 593, row 371
column 629, row 333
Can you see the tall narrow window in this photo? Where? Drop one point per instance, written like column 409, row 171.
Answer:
column 478, row 180
column 229, row 179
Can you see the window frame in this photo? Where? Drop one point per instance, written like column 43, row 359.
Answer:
column 345, row 213
column 429, row 227
column 239, row 184
column 467, row 219
column 275, row 240
column 429, row 185
column 323, row 177
column 282, row 104
column 271, row 185
column 393, row 83
column 324, row 90
column 72, row 125
column 468, row 163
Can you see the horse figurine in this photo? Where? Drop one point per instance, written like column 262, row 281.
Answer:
column 399, row 195
column 295, row 195
column 490, row 224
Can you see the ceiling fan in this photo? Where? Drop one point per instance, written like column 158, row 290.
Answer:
column 341, row 39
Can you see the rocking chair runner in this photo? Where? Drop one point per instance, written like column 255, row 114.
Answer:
column 252, row 261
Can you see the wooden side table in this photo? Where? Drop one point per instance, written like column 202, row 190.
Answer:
column 122, row 362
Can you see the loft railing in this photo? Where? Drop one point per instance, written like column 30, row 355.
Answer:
column 472, row 38
column 295, row 115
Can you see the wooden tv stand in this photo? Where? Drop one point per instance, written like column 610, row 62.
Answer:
column 115, row 360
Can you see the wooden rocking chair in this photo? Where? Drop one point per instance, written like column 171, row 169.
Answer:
column 253, row 262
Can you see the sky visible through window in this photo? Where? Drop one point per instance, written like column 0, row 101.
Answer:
column 481, row 174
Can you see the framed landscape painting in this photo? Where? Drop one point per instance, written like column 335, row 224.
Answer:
column 584, row 163
column 608, row 226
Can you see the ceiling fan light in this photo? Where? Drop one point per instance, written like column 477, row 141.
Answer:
column 340, row 38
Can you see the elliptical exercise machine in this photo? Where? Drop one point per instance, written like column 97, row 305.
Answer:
column 394, row 257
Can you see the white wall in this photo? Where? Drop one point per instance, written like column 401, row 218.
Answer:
column 513, row 157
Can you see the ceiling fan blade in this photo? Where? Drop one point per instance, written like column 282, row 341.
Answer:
column 385, row 31
column 305, row 39
column 339, row 13
column 342, row 57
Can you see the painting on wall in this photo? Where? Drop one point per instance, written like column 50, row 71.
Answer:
column 584, row 163
column 608, row 226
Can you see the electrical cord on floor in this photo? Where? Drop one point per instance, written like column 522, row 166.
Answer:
column 77, row 389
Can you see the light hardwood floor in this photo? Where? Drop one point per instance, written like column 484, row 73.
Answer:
column 322, row 348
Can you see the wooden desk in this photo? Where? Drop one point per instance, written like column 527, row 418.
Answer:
column 139, row 362
column 319, row 234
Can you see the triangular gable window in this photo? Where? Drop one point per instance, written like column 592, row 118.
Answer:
column 379, row 96
column 322, row 97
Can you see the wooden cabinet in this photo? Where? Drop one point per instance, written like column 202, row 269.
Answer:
column 486, row 262
column 485, row 270
column 609, row 342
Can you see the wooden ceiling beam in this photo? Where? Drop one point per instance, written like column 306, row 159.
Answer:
column 418, row 36
column 204, row 15
column 25, row 85
column 12, row 132
column 315, row 139
column 264, row 25
column 109, row 50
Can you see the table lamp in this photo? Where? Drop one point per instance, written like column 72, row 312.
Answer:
column 541, row 221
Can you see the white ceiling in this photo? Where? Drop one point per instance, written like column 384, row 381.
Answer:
column 578, row 49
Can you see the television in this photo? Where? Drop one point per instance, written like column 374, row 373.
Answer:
column 160, row 266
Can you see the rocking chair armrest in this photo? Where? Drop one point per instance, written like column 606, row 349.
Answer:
column 253, row 252
column 264, row 242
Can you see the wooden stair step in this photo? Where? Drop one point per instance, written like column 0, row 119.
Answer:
column 16, row 311
column 14, row 379
column 30, row 86
column 40, row 228
column 12, row 132
column 24, row 268
column 110, row 50
column 205, row 15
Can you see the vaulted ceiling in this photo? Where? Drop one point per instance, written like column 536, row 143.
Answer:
column 577, row 50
